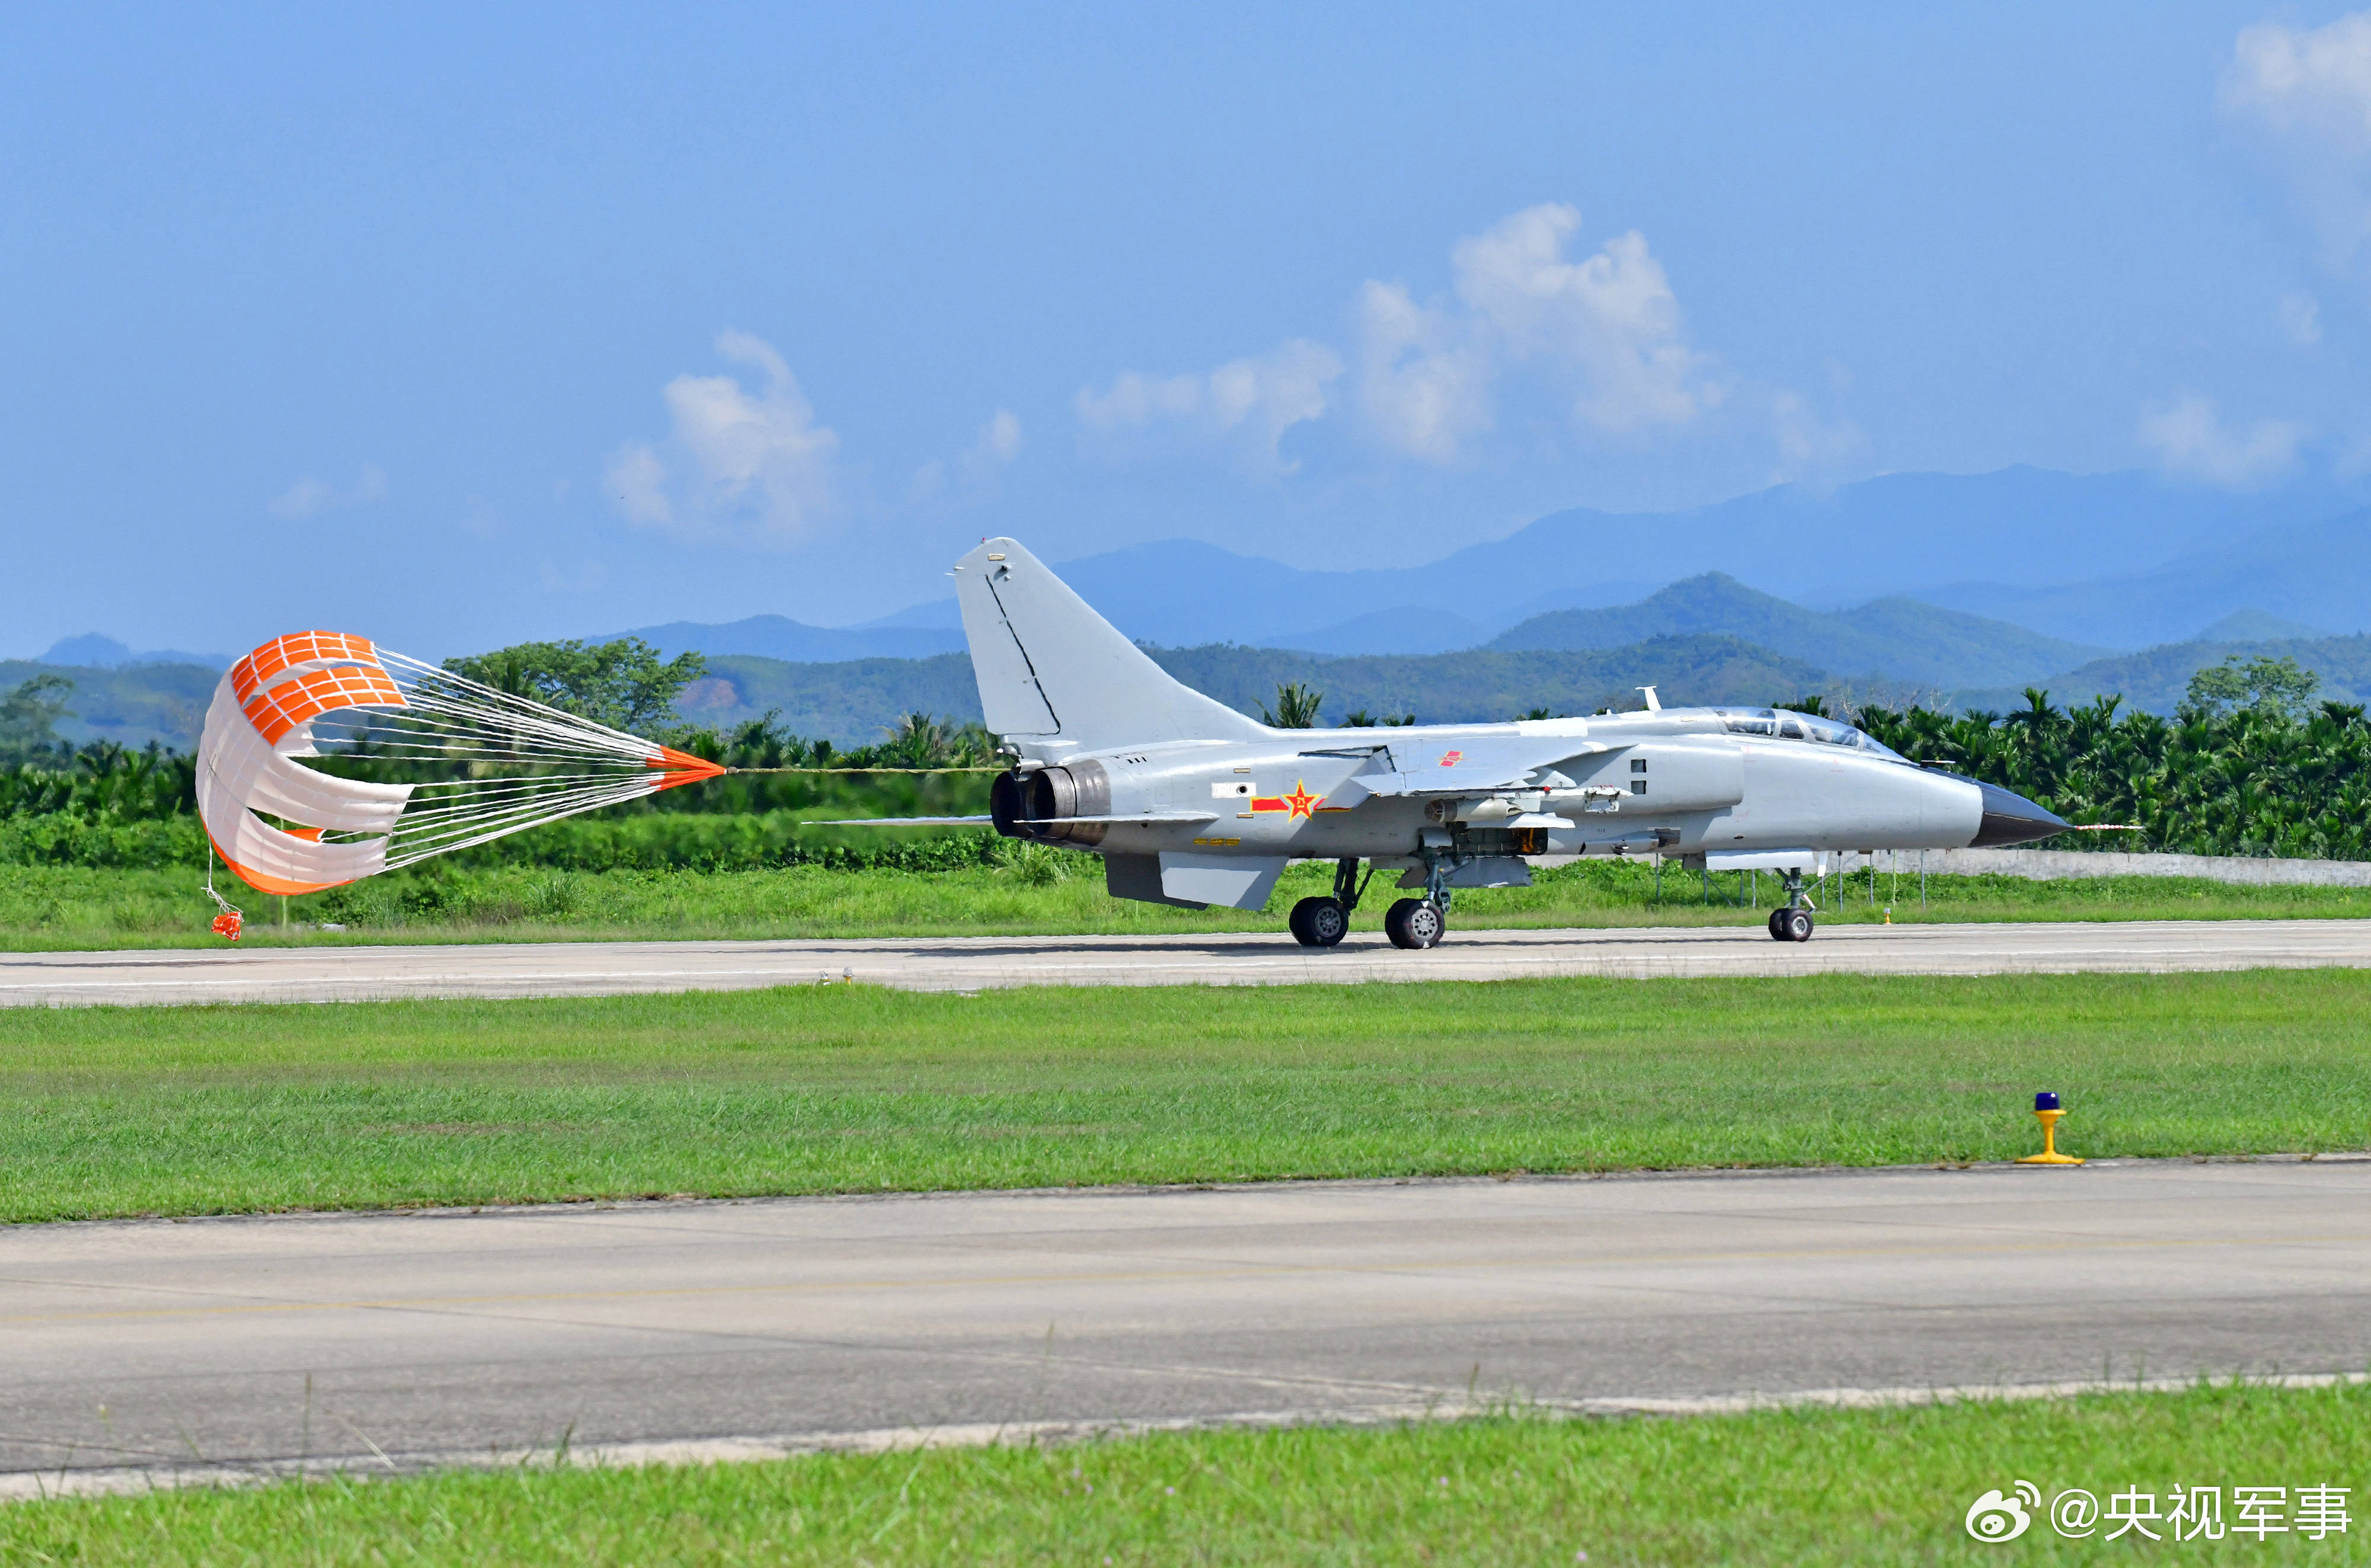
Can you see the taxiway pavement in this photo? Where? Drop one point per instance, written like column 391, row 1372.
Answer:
column 705, row 1329
column 970, row 963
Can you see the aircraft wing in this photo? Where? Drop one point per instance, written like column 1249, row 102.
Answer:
column 1461, row 768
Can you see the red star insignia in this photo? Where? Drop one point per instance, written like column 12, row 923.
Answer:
column 1300, row 802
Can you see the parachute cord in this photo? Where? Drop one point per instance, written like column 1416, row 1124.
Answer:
column 998, row 769
column 226, row 924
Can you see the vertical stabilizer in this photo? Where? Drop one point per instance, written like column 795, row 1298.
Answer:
column 1052, row 670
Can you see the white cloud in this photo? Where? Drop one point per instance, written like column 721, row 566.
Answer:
column 1424, row 380
column 2308, row 89
column 1809, row 447
column 1605, row 331
column 735, row 464
column 981, row 462
column 308, row 497
column 1000, row 439
column 2190, row 439
column 2295, row 75
column 1611, row 321
column 1246, row 404
column 1603, row 334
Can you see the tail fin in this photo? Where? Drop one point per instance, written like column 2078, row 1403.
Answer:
column 1049, row 668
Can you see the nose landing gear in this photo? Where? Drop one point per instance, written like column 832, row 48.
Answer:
column 1792, row 921
column 1415, row 923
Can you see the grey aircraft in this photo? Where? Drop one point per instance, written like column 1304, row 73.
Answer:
column 1192, row 803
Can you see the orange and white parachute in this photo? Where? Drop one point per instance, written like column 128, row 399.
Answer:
column 513, row 763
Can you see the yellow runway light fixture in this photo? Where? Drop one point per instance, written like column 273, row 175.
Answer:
column 2046, row 1112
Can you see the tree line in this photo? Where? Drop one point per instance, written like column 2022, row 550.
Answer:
column 2247, row 764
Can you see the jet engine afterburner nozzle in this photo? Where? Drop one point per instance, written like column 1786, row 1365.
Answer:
column 1039, row 805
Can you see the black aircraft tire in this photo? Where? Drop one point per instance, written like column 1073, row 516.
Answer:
column 1798, row 925
column 1414, row 923
column 1320, row 922
column 1777, row 924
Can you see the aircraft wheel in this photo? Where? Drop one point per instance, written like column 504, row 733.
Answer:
column 1415, row 923
column 1777, row 924
column 1320, row 922
column 1798, row 925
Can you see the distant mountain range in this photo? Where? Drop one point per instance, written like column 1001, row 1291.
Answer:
column 2317, row 573
column 855, row 703
column 1987, row 544
column 779, row 637
column 2080, row 564
column 93, row 651
column 1892, row 638
column 2046, row 577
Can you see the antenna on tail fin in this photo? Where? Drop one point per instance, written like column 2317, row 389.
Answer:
column 1053, row 672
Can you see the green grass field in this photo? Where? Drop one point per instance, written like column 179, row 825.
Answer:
column 1043, row 891
column 1777, row 1486
column 839, row 1088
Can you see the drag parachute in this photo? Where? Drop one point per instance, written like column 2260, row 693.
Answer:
column 421, row 762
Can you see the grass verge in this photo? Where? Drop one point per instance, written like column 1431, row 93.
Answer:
column 1041, row 892
column 112, row 1112
column 1778, row 1486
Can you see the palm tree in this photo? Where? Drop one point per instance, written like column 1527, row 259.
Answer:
column 1296, row 707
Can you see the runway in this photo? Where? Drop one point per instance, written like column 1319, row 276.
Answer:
column 716, row 1328
column 971, row 963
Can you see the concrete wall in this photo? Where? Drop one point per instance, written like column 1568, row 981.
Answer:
column 2049, row 865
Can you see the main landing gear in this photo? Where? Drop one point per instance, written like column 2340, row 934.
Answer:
column 1791, row 922
column 1322, row 922
column 1414, row 923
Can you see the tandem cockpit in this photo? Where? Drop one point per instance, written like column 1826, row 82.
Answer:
column 1780, row 723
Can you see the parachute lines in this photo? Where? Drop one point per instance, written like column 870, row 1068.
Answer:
column 421, row 762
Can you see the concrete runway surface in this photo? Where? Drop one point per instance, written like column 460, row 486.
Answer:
column 686, row 1330
column 971, row 963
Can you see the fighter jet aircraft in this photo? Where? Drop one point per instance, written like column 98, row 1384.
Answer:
column 1191, row 803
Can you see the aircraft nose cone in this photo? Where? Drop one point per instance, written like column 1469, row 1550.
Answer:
column 2010, row 818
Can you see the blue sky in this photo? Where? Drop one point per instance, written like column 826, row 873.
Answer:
column 458, row 326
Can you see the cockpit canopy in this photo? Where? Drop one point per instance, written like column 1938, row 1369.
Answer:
column 1780, row 724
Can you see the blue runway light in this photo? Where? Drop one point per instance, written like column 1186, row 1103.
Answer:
column 2045, row 1100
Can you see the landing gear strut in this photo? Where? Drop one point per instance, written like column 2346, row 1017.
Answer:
column 1322, row 922
column 1791, row 922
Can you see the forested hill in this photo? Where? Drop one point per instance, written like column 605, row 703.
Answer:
column 131, row 706
column 852, row 703
column 2155, row 678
